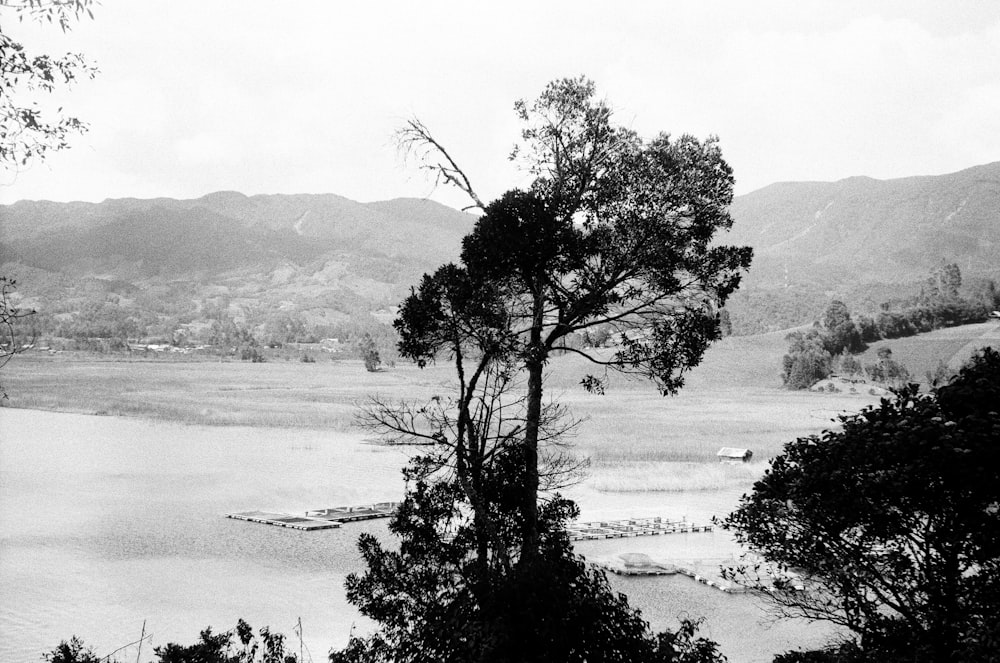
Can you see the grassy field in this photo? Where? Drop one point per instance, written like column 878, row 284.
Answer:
column 954, row 345
column 635, row 439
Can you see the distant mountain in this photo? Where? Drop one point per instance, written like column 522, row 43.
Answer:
column 327, row 259
column 226, row 230
column 862, row 230
column 860, row 240
column 323, row 258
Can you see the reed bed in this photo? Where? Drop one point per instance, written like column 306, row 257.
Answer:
column 658, row 476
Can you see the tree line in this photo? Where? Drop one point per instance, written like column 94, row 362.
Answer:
column 831, row 344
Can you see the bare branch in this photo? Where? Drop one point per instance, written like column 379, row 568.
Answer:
column 415, row 139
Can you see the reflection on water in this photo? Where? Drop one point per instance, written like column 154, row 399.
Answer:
column 106, row 522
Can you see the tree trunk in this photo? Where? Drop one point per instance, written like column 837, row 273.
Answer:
column 534, row 363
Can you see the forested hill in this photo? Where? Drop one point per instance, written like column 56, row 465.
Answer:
column 863, row 230
column 225, row 230
column 313, row 265
column 860, row 240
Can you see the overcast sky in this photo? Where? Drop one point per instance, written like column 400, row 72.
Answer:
column 303, row 97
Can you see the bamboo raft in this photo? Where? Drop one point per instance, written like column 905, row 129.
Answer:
column 330, row 518
column 283, row 520
column 618, row 529
column 640, row 564
column 350, row 514
column 317, row 519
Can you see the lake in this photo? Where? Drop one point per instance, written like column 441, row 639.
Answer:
column 107, row 521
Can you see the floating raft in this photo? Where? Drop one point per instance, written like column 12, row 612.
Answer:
column 319, row 518
column 283, row 520
column 639, row 564
column 619, row 529
column 349, row 514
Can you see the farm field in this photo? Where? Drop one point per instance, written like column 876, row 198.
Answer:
column 953, row 346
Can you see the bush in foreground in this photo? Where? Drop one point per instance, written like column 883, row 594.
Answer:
column 890, row 527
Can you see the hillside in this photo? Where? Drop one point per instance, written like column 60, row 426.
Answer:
column 224, row 230
column 864, row 230
column 861, row 240
column 323, row 259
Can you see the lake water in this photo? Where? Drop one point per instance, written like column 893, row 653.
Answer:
column 106, row 522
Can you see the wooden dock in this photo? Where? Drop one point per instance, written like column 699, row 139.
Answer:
column 319, row 518
column 619, row 529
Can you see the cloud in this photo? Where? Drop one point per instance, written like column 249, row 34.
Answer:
column 262, row 98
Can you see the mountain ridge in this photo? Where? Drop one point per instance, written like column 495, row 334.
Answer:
column 327, row 256
column 871, row 230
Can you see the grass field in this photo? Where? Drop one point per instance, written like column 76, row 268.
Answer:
column 954, row 345
column 635, row 439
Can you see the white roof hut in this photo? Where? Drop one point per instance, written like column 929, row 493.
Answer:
column 734, row 455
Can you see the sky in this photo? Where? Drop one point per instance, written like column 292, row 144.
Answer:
column 304, row 97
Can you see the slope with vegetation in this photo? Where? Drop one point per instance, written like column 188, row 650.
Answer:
column 221, row 269
column 831, row 344
column 862, row 241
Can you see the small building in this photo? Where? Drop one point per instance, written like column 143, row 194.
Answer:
column 734, row 455
column 330, row 345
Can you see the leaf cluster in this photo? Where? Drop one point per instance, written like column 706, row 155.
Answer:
column 27, row 132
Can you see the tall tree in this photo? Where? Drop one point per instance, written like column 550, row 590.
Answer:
column 943, row 283
column 841, row 334
column 615, row 234
column 807, row 361
column 614, row 231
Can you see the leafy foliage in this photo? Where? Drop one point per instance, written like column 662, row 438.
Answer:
column 73, row 651
column 268, row 647
column 369, row 353
column 887, row 370
column 26, row 131
column 842, row 335
column 890, row 526
column 240, row 645
column 807, row 361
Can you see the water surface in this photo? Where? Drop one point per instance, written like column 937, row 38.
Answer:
column 107, row 521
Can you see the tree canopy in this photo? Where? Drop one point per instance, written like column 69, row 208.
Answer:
column 615, row 231
column 891, row 525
